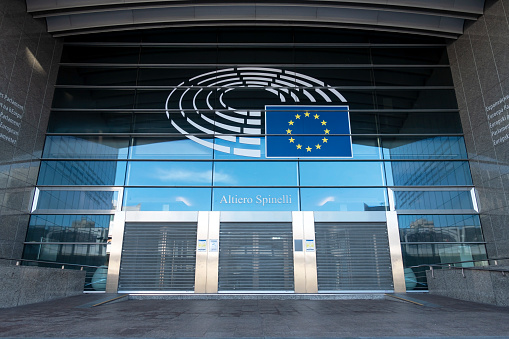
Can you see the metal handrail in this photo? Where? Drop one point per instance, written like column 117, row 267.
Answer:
column 474, row 268
column 18, row 260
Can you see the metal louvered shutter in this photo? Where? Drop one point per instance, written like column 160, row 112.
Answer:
column 158, row 257
column 256, row 257
column 353, row 257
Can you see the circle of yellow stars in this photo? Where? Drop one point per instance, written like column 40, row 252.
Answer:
column 308, row 148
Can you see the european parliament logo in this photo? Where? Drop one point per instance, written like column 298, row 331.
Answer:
column 307, row 132
column 304, row 117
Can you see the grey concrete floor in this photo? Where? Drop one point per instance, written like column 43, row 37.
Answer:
column 438, row 317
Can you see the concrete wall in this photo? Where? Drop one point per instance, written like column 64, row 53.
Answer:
column 21, row 285
column 482, row 286
column 28, row 67
column 480, row 67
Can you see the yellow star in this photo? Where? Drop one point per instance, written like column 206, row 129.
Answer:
column 299, row 146
column 291, row 140
column 290, row 123
column 324, row 123
column 325, row 140
column 318, row 146
column 297, row 116
column 316, row 116
column 288, row 131
column 308, row 149
column 307, row 114
column 326, row 131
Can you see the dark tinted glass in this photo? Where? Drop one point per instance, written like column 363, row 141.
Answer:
column 409, row 56
column 68, row 228
column 96, row 76
column 414, row 76
column 254, row 55
column 89, row 122
column 419, row 123
column 440, row 228
column 100, row 54
column 92, row 98
column 337, row 76
column 177, row 55
column 329, row 55
column 416, row 99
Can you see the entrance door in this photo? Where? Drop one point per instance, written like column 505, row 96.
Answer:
column 158, row 257
column 256, row 257
column 353, row 257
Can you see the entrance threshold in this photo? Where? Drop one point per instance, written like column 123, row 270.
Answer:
column 257, row 296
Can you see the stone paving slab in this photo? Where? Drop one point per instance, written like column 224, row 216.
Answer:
column 387, row 318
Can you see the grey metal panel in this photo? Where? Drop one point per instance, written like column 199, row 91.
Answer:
column 434, row 17
column 353, row 257
column 256, row 257
column 158, row 257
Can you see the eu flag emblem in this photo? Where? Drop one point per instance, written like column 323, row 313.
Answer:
column 307, row 132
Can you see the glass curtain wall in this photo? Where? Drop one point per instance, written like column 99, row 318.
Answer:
column 178, row 120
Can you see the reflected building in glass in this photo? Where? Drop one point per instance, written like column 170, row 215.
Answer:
column 165, row 142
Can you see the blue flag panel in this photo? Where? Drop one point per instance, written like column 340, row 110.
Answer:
column 307, row 132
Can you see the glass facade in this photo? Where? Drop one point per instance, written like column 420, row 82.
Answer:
column 174, row 120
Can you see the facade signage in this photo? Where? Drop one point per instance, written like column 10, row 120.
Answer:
column 200, row 106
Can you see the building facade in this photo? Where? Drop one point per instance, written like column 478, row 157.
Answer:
column 260, row 159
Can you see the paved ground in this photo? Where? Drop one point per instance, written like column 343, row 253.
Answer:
column 437, row 317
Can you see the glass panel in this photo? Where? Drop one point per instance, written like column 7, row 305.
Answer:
column 178, row 55
column 158, row 173
column 410, row 56
column 96, row 76
column 255, row 174
column 167, row 199
column 424, row 148
column 169, row 148
column 416, row 99
column 337, row 76
column 153, row 123
column 85, row 147
column 258, row 55
column 77, row 200
column 363, row 123
column 431, row 200
column 110, row 173
column 420, row 254
column 440, row 228
column 419, row 123
column 341, row 173
column 343, row 199
column 418, row 76
column 191, row 123
column 256, row 199
column 88, row 122
column 68, row 228
column 100, row 54
column 93, row 98
column 428, row 173
column 94, row 255
column 331, row 55
column 365, row 148
column 172, row 76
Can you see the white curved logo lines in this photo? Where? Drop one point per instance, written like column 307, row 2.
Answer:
column 201, row 105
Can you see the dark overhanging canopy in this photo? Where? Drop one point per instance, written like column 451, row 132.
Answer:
column 441, row 18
